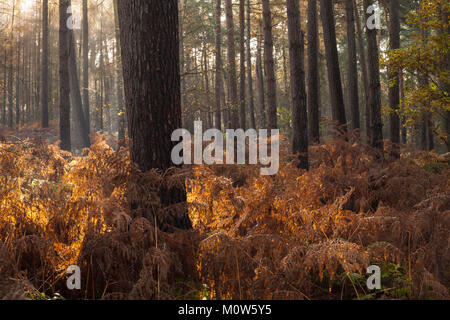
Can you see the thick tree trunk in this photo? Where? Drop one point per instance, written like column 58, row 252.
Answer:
column 353, row 96
column 313, row 74
column 242, row 97
column 149, row 39
column 44, row 94
column 334, row 72
column 269, row 66
column 298, row 86
column 64, row 82
column 376, row 125
column 218, row 80
column 394, row 90
column 234, row 120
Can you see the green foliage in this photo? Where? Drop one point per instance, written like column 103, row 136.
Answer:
column 427, row 56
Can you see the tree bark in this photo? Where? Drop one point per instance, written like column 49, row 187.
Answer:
column 149, row 37
column 251, row 103
column 234, row 120
column 242, row 96
column 376, row 125
column 269, row 66
column 219, row 66
column 353, row 96
column 64, row 86
column 334, row 72
column 76, row 94
column 44, row 94
column 260, row 81
column 298, row 86
column 363, row 60
column 85, row 83
column 313, row 74
column 119, row 80
column 394, row 89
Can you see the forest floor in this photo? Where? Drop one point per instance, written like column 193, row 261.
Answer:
column 294, row 235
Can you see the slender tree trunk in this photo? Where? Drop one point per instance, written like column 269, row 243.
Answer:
column 149, row 33
column 394, row 89
column 218, row 80
column 10, row 70
column 376, row 125
column 242, row 97
column 119, row 80
column 45, row 53
column 269, row 66
column 64, row 82
column 363, row 60
column 18, row 95
column 251, row 103
column 298, row 86
column 313, row 74
column 85, row 84
column 76, row 94
column 353, row 96
column 334, row 72
column 404, row 132
column 5, row 92
column 232, row 66
column 260, row 81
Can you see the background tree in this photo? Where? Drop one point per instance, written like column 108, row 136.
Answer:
column 313, row 74
column 269, row 66
column 64, row 82
column 352, row 65
column 231, row 52
column 334, row 73
column 376, row 124
column 394, row 79
column 45, row 57
column 298, row 87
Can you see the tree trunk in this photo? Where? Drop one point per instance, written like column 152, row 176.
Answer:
column 353, row 96
column 85, row 83
column 313, row 74
column 119, row 80
column 234, row 120
column 149, row 36
column 44, row 94
column 376, row 125
column 394, row 90
column 76, row 94
column 242, row 97
column 334, row 72
column 269, row 66
column 5, row 92
column 18, row 95
column 298, row 86
column 218, row 80
column 64, row 82
column 260, row 81
column 404, row 132
column 251, row 103
column 363, row 60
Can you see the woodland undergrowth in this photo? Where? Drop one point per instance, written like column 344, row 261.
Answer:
column 294, row 235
